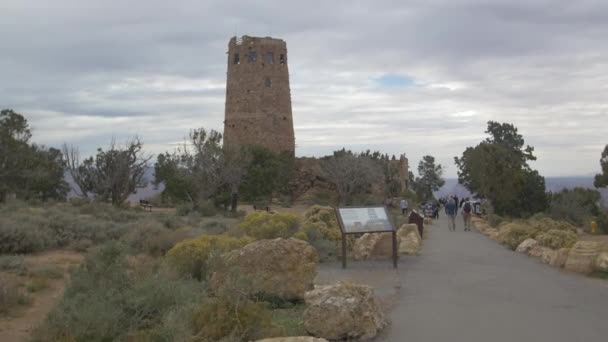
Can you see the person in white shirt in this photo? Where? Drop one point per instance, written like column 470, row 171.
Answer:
column 404, row 206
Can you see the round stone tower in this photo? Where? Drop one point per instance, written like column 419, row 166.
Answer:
column 258, row 99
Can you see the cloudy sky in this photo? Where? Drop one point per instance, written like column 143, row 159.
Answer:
column 420, row 77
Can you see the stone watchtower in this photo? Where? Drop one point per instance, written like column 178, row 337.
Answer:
column 258, row 99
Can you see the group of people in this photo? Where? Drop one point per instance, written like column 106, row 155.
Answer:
column 451, row 210
column 452, row 205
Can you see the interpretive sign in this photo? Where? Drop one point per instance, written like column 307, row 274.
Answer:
column 359, row 220
column 365, row 220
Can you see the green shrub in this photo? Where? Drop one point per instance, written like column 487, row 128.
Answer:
column 105, row 301
column 289, row 321
column 495, row 220
column 13, row 263
column 556, row 238
column 184, row 209
column 214, row 227
column 577, row 205
column 227, row 317
column 324, row 221
column 11, row 296
column 20, row 234
column 36, row 284
column 46, row 271
column 189, row 257
column 233, row 313
column 265, row 225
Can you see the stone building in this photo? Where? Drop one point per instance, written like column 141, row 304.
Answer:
column 258, row 98
column 402, row 165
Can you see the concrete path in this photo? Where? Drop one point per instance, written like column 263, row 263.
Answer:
column 466, row 287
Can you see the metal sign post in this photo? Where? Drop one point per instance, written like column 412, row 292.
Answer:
column 358, row 220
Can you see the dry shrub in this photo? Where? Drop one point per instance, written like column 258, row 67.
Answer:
column 189, row 257
column 556, row 238
column 105, row 301
column 265, row 225
column 514, row 233
column 13, row 263
column 234, row 312
column 324, row 220
column 11, row 295
column 320, row 228
column 152, row 237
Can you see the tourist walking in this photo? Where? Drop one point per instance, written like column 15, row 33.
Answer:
column 450, row 211
column 466, row 215
column 404, row 206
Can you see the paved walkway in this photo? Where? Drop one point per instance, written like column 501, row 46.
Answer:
column 465, row 287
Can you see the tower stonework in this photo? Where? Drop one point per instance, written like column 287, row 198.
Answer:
column 258, row 98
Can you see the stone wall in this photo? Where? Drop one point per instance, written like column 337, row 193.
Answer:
column 258, row 98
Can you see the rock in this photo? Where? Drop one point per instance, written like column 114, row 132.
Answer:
column 548, row 255
column 536, row 251
column 373, row 246
column 582, row 256
column 285, row 268
column 343, row 311
column 601, row 262
column 409, row 239
column 293, row 339
column 560, row 258
column 526, row 246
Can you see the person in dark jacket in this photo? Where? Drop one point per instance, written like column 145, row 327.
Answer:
column 451, row 210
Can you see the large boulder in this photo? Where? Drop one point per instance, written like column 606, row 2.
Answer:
column 526, row 246
column 536, row 251
column 293, row 339
column 409, row 239
column 283, row 268
column 560, row 257
column 343, row 311
column 548, row 255
column 601, row 262
column 582, row 256
column 373, row 246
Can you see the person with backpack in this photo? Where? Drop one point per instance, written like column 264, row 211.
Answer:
column 467, row 208
column 450, row 211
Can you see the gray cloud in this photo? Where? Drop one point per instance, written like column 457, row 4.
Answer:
column 84, row 72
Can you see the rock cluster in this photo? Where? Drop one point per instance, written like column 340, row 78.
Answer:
column 582, row 256
column 601, row 262
column 380, row 245
column 343, row 311
column 526, row 246
column 284, row 268
column 409, row 239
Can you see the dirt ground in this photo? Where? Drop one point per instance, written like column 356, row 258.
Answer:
column 19, row 324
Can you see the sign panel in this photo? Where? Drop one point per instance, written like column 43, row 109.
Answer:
column 364, row 220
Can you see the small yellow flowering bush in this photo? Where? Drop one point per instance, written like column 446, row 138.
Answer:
column 189, row 257
column 322, row 220
column 265, row 225
column 557, row 238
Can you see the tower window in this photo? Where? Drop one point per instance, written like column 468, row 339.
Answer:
column 268, row 82
column 269, row 58
column 282, row 59
column 252, row 57
column 237, row 59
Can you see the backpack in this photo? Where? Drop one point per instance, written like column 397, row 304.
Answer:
column 467, row 207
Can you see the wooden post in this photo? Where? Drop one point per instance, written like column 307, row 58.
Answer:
column 343, row 250
column 395, row 252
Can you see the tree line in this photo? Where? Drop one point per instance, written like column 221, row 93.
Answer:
column 203, row 172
